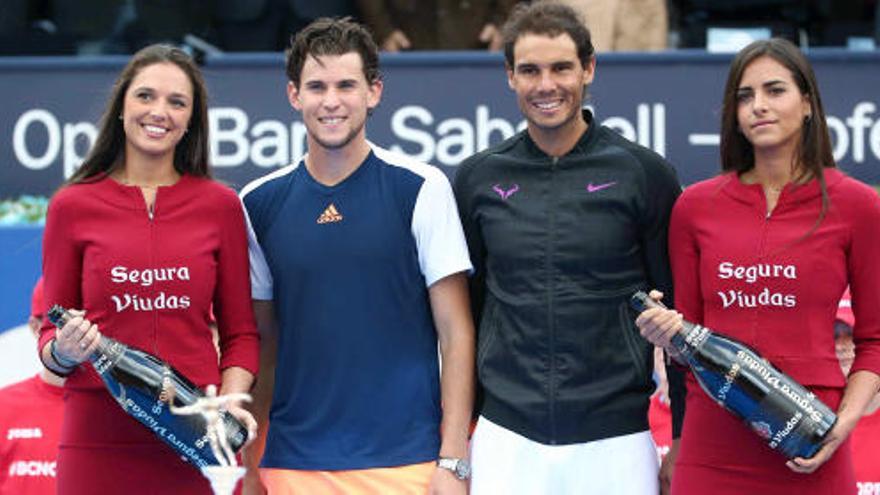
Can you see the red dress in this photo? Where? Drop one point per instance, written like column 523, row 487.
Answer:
column 148, row 281
column 865, row 441
column 773, row 282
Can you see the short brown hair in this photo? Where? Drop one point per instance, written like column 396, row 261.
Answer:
column 332, row 36
column 547, row 18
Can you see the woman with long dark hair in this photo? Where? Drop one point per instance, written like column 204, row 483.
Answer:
column 762, row 253
column 145, row 243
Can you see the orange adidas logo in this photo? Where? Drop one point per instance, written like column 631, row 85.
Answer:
column 330, row 215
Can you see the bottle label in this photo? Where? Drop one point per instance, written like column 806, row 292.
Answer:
column 107, row 355
column 695, row 338
column 729, row 379
column 804, row 400
column 158, row 424
column 164, row 394
column 784, row 432
column 189, row 451
column 102, row 364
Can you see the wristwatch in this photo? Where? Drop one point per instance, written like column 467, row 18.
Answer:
column 461, row 468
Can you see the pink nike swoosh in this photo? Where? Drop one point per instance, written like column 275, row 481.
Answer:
column 591, row 188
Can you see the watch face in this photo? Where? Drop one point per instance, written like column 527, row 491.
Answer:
column 461, row 468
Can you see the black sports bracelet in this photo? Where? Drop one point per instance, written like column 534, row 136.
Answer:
column 63, row 369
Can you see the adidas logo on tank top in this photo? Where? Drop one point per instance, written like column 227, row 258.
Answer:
column 330, row 215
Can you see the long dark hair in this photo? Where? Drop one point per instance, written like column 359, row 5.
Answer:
column 190, row 154
column 813, row 153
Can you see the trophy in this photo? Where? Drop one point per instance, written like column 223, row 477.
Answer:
column 225, row 475
column 141, row 384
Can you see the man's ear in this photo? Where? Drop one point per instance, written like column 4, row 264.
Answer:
column 374, row 94
column 590, row 71
column 293, row 96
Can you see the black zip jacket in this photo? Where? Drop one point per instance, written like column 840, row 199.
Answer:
column 558, row 246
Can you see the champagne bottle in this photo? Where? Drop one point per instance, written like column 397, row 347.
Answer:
column 790, row 418
column 141, row 384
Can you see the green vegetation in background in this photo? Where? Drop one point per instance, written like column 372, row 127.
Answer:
column 25, row 210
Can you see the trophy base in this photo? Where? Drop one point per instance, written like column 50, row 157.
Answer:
column 223, row 478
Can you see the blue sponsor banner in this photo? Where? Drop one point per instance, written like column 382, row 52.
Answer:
column 20, row 268
column 439, row 107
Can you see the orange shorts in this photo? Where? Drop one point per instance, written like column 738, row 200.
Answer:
column 412, row 479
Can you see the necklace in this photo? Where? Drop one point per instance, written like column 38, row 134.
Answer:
column 125, row 181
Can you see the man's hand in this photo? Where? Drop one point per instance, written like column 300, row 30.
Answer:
column 444, row 482
column 264, row 314
column 491, row 36
column 658, row 325
column 667, row 467
column 395, row 42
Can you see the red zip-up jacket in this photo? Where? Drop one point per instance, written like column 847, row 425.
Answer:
column 149, row 281
column 773, row 281
column 769, row 282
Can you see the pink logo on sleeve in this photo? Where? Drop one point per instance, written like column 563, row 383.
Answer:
column 505, row 194
column 591, row 188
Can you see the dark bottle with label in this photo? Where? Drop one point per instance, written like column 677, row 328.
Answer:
column 789, row 417
column 141, row 384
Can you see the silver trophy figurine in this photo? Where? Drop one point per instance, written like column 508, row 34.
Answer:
column 224, row 476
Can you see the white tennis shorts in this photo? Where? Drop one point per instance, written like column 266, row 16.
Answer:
column 504, row 462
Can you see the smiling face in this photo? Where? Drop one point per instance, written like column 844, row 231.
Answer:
column 334, row 98
column 770, row 107
column 156, row 110
column 549, row 82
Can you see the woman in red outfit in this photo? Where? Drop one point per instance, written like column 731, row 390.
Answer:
column 763, row 253
column 145, row 243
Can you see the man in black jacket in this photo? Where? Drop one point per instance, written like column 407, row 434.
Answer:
column 564, row 221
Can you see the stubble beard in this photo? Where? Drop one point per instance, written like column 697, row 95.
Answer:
column 565, row 122
column 332, row 146
column 543, row 127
